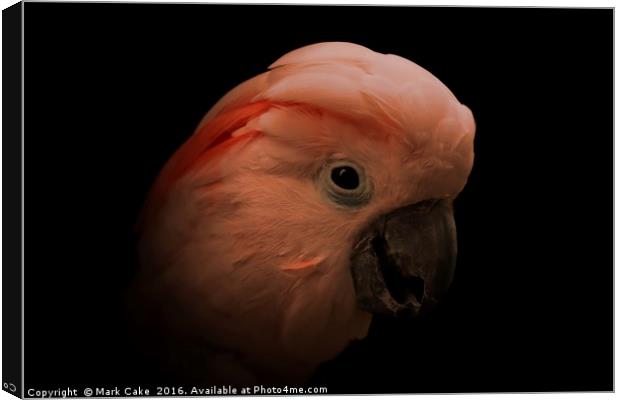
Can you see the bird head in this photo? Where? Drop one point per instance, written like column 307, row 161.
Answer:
column 309, row 198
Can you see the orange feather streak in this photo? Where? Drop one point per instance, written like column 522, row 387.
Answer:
column 211, row 139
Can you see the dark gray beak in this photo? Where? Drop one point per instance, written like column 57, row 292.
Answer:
column 405, row 260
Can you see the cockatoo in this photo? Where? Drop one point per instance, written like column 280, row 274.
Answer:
column 309, row 198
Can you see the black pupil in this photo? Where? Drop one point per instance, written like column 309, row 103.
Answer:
column 345, row 177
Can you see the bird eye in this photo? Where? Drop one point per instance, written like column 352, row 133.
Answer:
column 345, row 177
column 345, row 183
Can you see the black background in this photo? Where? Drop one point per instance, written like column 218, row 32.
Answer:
column 112, row 90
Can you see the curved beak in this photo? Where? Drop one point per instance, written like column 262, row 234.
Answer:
column 405, row 260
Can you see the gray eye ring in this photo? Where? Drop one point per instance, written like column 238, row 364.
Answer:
column 354, row 191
